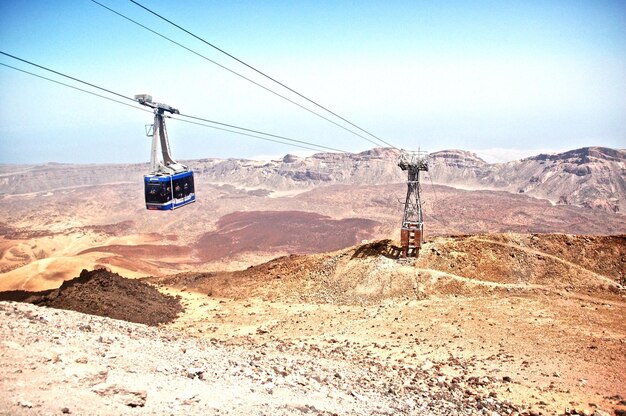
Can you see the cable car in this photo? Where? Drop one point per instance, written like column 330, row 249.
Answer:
column 170, row 184
column 169, row 191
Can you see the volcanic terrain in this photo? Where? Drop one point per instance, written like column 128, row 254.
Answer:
column 46, row 240
column 499, row 323
column 281, row 290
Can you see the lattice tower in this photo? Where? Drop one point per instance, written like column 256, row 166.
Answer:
column 412, row 231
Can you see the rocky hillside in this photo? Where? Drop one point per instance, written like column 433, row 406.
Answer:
column 374, row 166
column 593, row 177
column 24, row 179
column 100, row 292
column 461, row 265
column 491, row 324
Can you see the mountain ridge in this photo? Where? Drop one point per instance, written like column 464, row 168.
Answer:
column 592, row 177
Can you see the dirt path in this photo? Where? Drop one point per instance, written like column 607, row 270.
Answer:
column 438, row 273
column 555, row 258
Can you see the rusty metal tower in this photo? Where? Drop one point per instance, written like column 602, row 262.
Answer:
column 412, row 231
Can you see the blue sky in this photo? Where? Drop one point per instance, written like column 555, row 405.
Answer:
column 503, row 78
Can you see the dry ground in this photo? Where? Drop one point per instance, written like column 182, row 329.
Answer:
column 48, row 237
column 540, row 316
column 507, row 323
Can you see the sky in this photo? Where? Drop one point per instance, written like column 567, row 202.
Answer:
column 506, row 79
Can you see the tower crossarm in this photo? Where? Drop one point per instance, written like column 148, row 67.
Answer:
column 145, row 99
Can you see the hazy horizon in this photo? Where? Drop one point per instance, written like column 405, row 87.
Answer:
column 499, row 79
column 491, row 156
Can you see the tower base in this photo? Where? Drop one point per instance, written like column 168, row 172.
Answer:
column 411, row 240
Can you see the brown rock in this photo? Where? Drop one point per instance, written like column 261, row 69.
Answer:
column 129, row 396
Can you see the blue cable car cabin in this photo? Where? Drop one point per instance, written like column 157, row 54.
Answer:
column 167, row 192
column 169, row 185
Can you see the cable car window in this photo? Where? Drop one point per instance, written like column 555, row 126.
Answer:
column 178, row 188
column 191, row 189
column 157, row 193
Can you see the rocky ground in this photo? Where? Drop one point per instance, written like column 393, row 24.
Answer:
column 487, row 324
column 56, row 362
column 102, row 293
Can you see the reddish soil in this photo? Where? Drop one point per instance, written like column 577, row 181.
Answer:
column 16, row 233
column 102, row 293
column 281, row 231
column 449, row 210
column 457, row 265
column 557, row 260
column 118, row 229
column 152, row 251
column 243, row 233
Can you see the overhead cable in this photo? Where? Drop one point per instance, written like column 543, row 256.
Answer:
column 261, row 73
column 259, row 132
column 237, row 73
column 293, row 142
column 67, row 76
column 246, row 134
column 76, row 88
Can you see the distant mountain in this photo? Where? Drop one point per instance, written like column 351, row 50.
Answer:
column 24, row 179
column 372, row 167
column 459, row 168
column 593, row 177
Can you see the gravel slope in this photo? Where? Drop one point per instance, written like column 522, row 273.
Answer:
column 54, row 362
